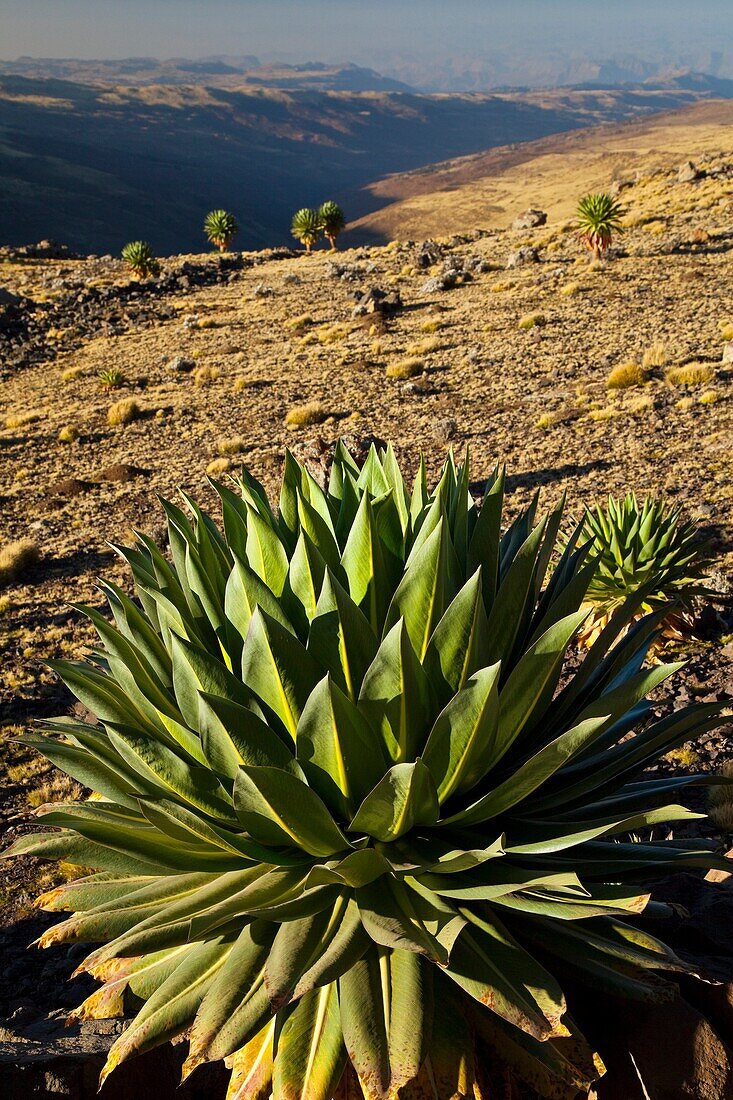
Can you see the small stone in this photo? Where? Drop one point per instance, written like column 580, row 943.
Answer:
column 180, row 364
column 688, row 172
column 728, row 351
column 530, row 219
column 445, row 429
column 523, row 256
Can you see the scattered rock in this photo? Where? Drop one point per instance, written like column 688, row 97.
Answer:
column 527, row 254
column 445, row 429
column 428, row 253
column 181, row 364
column 688, row 172
column 291, row 279
column 375, row 300
column 530, row 219
column 262, row 291
column 728, row 351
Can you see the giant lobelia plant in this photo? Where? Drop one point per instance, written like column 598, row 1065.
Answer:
column 351, row 809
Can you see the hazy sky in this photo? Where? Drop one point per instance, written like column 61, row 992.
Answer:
column 366, row 31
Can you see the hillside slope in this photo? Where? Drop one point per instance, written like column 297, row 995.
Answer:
column 94, row 165
column 490, row 189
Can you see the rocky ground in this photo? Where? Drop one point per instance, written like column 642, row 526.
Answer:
column 501, row 341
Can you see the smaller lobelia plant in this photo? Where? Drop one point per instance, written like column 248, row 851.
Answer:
column 221, row 227
column 332, row 221
column 140, row 258
column 599, row 217
column 111, row 378
column 643, row 546
column 306, row 227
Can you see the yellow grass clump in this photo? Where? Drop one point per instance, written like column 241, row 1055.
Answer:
column 68, row 434
column 608, row 413
column 123, row 412
column 532, row 320
column 405, row 368
column 218, row 466
column 70, row 374
column 710, row 397
column 233, row 446
column 203, row 375
column 16, row 558
column 626, row 375
column 297, row 324
column 430, row 327
column 548, row 420
column 570, row 290
column 726, row 330
column 240, row 384
column 20, row 419
column 641, row 405
column 423, row 347
column 655, row 355
column 303, row 416
column 685, row 403
column 692, row 374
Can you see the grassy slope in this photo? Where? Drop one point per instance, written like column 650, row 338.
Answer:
column 492, row 188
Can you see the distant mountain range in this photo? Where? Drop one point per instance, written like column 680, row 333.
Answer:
column 123, row 155
column 219, row 72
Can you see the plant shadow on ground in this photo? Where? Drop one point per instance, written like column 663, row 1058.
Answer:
column 547, row 476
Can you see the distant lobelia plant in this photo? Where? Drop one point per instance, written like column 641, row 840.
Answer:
column 643, row 548
column 355, row 805
column 332, row 220
column 599, row 217
column 221, row 227
column 306, row 227
column 140, row 258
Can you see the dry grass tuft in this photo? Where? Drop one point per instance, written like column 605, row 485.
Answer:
column 233, row 446
column 710, row 397
column 429, row 327
column 123, row 412
column 726, row 330
column 548, row 420
column 423, row 347
column 692, row 374
column 626, row 375
column 303, row 416
column 656, row 355
column 71, row 373
column 685, row 403
column 68, row 434
column 60, row 788
column 532, row 320
column 570, row 290
column 203, row 375
column 641, row 405
column 218, row 466
column 16, row 558
column 405, row 368
column 20, row 419
column 604, row 414
column 684, row 757
column 298, row 324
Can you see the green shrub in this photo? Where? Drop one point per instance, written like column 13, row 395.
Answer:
column 356, row 804
column 642, row 549
column 332, row 221
column 599, row 217
column 221, row 228
column 306, row 227
column 140, row 258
